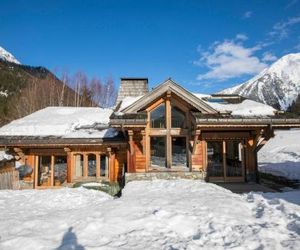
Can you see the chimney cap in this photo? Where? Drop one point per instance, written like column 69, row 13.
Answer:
column 134, row 78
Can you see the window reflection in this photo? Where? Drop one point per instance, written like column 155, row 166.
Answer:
column 157, row 117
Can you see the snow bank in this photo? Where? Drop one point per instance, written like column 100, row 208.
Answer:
column 179, row 214
column 281, row 155
column 4, row 156
column 63, row 122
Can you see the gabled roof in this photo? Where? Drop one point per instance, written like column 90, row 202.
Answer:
column 173, row 87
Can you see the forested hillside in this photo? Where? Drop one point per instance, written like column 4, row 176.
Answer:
column 25, row 89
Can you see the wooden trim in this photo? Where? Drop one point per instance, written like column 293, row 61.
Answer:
column 144, row 141
column 224, row 160
column 52, row 170
column 168, row 137
column 98, row 163
column 130, row 134
column 85, row 165
column 36, row 173
column 155, row 104
column 197, row 134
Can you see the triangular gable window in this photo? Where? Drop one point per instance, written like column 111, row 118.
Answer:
column 158, row 117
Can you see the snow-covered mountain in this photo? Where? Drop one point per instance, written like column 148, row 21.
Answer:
column 6, row 56
column 278, row 85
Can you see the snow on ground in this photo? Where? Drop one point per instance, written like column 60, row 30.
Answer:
column 177, row 214
column 281, row 155
column 68, row 122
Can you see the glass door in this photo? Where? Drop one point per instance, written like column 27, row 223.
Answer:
column 234, row 160
column 225, row 160
column 179, row 159
column 215, row 166
column 158, row 152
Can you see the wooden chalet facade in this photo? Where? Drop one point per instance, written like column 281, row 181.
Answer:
column 166, row 130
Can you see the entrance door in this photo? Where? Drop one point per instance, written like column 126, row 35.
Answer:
column 225, row 161
column 215, row 166
column 158, row 152
column 179, row 159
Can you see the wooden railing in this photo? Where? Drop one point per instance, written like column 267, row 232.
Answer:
column 9, row 179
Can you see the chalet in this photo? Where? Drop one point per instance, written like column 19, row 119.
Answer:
column 167, row 131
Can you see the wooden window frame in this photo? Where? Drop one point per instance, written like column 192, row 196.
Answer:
column 225, row 178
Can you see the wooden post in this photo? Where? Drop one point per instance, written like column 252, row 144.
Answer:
column 130, row 134
column 168, row 126
column 36, row 171
column 52, row 170
column 224, row 160
column 70, row 167
column 197, row 134
column 85, row 165
column 98, row 162
column 144, row 141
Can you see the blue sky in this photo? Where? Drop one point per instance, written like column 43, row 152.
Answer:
column 204, row 45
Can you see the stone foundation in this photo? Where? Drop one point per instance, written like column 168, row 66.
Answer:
column 164, row 176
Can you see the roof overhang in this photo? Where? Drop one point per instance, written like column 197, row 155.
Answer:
column 11, row 141
column 248, row 122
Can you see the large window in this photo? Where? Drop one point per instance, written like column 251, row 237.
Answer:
column 60, row 170
column 179, row 152
column 158, row 117
column 91, row 165
column 103, row 165
column 234, row 158
column 78, row 165
column 178, row 117
column 158, row 149
column 44, row 171
column 224, row 159
column 215, row 159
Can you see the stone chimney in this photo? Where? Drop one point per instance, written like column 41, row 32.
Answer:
column 132, row 87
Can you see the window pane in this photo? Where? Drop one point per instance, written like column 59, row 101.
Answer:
column 158, row 151
column 157, row 117
column 60, row 170
column 178, row 117
column 79, row 165
column 44, row 171
column 234, row 158
column 179, row 152
column 103, row 165
column 215, row 159
column 91, row 165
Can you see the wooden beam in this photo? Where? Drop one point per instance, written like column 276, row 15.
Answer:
column 168, row 137
column 98, row 161
column 36, row 171
column 196, row 137
column 143, row 132
column 85, row 165
column 130, row 135
column 224, row 159
column 52, row 170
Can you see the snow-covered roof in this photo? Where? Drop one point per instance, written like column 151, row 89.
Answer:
column 245, row 108
column 5, row 156
column 127, row 101
column 66, row 122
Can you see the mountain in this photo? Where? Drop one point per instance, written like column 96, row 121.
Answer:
column 277, row 85
column 25, row 89
column 6, row 56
